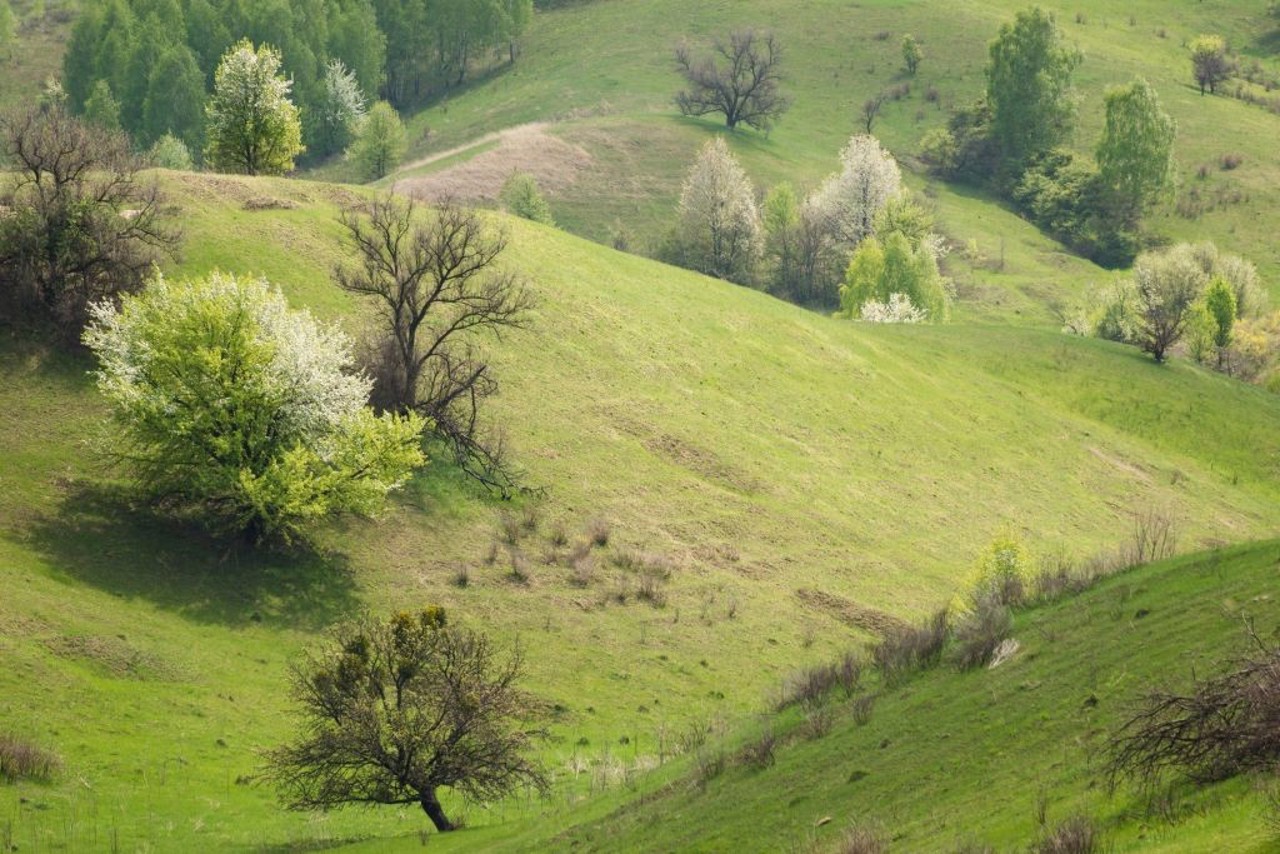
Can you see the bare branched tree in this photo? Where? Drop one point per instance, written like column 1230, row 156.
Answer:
column 395, row 710
column 740, row 79
column 436, row 277
column 77, row 223
column 1225, row 725
column 871, row 110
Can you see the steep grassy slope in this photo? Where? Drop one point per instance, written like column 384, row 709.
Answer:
column 602, row 74
column 756, row 449
column 965, row 758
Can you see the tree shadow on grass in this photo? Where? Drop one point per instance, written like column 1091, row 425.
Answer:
column 98, row 539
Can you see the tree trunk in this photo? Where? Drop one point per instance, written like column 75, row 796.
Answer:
column 431, row 806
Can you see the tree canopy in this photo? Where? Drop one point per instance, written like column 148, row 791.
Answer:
column 253, row 126
column 1135, row 153
column 1029, row 87
column 394, row 710
column 739, row 79
column 240, row 413
column 719, row 229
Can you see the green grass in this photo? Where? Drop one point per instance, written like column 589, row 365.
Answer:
column 621, row 111
column 955, row 757
column 761, row 449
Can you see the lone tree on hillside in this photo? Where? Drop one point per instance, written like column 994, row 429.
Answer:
column 1209, row 61
column 77, row 224
column 744, row 88
column 239, row 413
column 912, row 54
column 379, row 141
column 438, row 284
column 395, row 710
column 252, row 125
column 1029, row 87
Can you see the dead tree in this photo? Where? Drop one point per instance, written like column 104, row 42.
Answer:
column 1225, row 725
column 436, row 279
column 740, row 79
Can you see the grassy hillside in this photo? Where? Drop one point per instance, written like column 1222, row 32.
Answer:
column 750, row 449
column 601, row 74
column 976, row 758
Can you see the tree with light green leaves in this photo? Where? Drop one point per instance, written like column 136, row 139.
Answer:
column 242, row 414
column 1209, row 62
column 888, row 270
column 912, row 54
column 520, row 196
column 1029, row 88
column 1135, row 153
column 252, row 126
column 379, row 142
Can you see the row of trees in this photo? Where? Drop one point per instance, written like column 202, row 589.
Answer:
column 1013, row 139
column 151, row 62
column 856, row 241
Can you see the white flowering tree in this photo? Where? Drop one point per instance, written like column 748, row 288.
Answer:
column 235, row 410
column 719, row 229
column 252, row 125
column 343, row 109
column 849, row 200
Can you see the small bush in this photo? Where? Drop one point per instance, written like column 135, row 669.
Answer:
column 860, row 839
column 461, row 575
column 520, row 196
column 582, row 569
column 558, row 537
column 759, row 752
column 707, row 765
column 509, row 529
column 1155, row 537
column 906, row 649
column 979, row 634
column 817, row 722
column 1002, row 573
column 598, row 532
column 649, row 589
column 1076, row 835
column 520, row 571
column 1227, row 162
column 22, row 760
column 862, row 708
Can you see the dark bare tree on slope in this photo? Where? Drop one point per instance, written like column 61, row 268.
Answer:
column 436, row 278
column 740, row 79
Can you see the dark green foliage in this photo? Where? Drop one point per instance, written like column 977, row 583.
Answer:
column 397, row 709
column 84, row 226
column 159, row 57
column 1029, row 88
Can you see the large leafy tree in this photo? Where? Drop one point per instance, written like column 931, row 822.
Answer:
column 1135, row 154
column 395, row 710
column 252, row 126
column 1029, row 87
column 720, row 233
column 242, row 414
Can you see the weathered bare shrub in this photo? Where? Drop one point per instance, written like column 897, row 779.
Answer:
column 818, row 720
column 1075, row 835
column 1154, row 537
column 582, row 569
column 860, row 839
column 558, row 537
column 598, row 532
column 909, row 648
column 862, row 708
column 979, row 633
column 707, row 765
column 21, row 759
column 649, row 589
column 1225, row 725
column 759, row 752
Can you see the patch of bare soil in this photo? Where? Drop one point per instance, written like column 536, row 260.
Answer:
column 554, row 164
column 847, row 611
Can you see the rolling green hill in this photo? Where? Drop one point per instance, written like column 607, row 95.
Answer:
column 611, row 151
column 802, row 480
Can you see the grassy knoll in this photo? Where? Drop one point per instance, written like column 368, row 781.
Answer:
column 746, row 449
